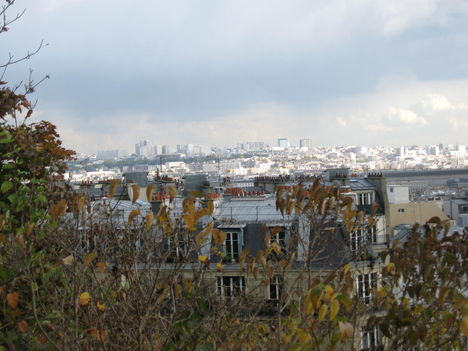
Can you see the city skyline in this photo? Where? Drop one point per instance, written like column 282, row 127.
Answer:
column 218, row 72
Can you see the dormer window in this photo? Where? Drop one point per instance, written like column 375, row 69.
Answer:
column 232, row 246
column 365, row 198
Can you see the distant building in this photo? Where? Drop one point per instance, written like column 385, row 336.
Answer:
column 433, row 150
column 107, row 154
column 144, row 149
column 305, row 143
column 284, row 143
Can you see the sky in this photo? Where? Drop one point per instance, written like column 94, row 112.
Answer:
column 219, row 72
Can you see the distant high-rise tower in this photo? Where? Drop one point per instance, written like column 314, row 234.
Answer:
column 305, row 143
column 144, row 149
column 284, row 143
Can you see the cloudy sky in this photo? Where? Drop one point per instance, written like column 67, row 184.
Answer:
column 217, row 72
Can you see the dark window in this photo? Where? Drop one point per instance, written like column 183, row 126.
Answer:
column 278, row 237
column 231, row 247
column 230, row 286
column 366, row 284
column 275, row 288
column 370, row 339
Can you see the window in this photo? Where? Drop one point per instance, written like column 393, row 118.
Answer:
column 391, row 190
column 370, row 339
column 231, row 247
column 229, row 286
column 278, row 236
column 361, row 237
column 175, row 248
column 373, row 234
column 275, row 288
column 365, row 199
column 401, row 210
column 366, row 283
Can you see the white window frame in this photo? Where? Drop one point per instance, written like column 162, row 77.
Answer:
column 370, row 339
column 365, row 198
column 366, row 285
column 175, row 251
column 361, row 237
column 281, row 241
column 233, row 255
column 276, row 286
column 226, row 286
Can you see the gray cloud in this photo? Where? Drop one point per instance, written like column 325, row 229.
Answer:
column 208, row 63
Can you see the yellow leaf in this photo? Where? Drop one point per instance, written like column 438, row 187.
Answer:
column 309, row 306
column 381, row 293
column 89, row 258
column 58, row 209
column 149, row 192
column 113, row 187
column 149, row 220
column 219, row 237
column 135, row 192
column 390, row 268
column 219, row 267
column 464, row 325
column 171, row 189
column 100, row 306
column 210, row 206
column 328, row 292
column 29, row 227
column 85, row 298
column 334, row 309
column 276, row 248
column 346, row 330
column 244, row 254
column 12, row 299
column 255, row 272
column 203, row 259
column 101, row 266
column 67, row 261
column 303, row 336
column 322, row 312
column 132, row 215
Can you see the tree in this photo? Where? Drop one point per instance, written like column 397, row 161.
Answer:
column 77, row 274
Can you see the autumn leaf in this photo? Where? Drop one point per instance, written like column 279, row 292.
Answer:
column 303, row 336
column 149, row 220
column 12, row 299
column 346, row 330
column 22, row 326
column 28, row 228
column 132, row 215
column 85, row 298
column 219, row 267
column 149, row 192
column 276, row 248
column 203, row 259
column 113, row 186
column 390, row 268
column 101, row 266
column 172, row 191
column 334, row 309
column 464, row 325
column 135, row 192
column 58, row 209
column 96, row 333
column 322, row 312
column 89, row 258
column 67, row 261
column 101, row 307
column 219, row 236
